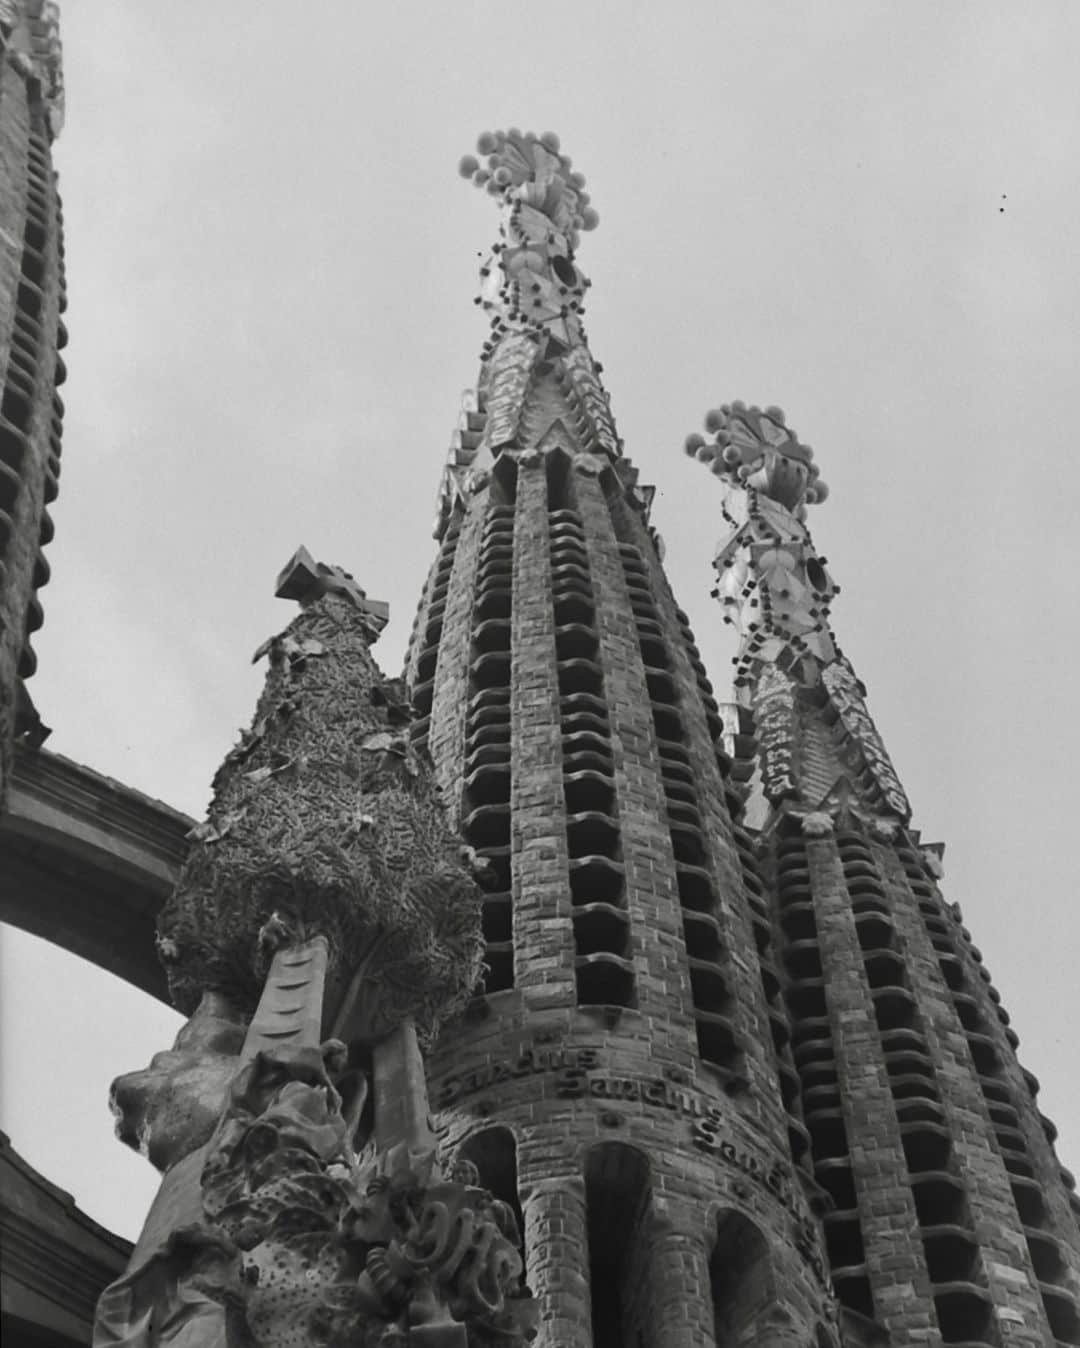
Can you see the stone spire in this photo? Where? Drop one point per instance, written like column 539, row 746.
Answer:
column 815, row 739
column 539, row 387
column 628, row 994
column 923, row 1126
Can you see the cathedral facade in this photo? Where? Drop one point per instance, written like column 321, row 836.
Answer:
column 732, row 1072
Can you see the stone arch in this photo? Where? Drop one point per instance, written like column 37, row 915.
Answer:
column 618, row 1210
column 742, row 1282
column 493, row 1150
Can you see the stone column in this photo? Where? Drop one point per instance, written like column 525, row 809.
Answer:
column 677, row 1284
column 557, row 1246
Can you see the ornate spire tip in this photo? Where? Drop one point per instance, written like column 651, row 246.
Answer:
column 754, row 447
column 524, row 167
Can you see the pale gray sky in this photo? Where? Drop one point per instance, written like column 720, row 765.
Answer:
column 864, row 212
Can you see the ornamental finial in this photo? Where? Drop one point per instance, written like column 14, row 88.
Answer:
column 755, row 448
column 525, row 167
column 529, row 284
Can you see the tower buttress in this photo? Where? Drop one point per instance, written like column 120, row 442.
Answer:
column 951, row 1215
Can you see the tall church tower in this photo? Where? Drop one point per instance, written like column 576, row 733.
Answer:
column 951, row 1219
column 31, row 335
column 624, row 1076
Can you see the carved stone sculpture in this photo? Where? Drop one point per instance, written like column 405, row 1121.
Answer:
column 323, row 813
column 325, row 892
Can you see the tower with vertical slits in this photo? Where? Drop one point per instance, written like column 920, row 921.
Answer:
column 624, row 1075
column 31, row 335
column 950, row 1220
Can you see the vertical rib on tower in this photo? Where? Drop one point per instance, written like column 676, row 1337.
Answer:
column 31, row 335
column 623, row 1074
column 951, row 1219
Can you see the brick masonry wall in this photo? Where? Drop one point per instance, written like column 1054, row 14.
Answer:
column 543, row 930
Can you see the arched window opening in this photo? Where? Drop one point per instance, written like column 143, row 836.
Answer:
column 741, row 1278
column 617, row 1204
column 494, row 1153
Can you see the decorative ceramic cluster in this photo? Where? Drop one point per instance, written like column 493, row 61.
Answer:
column 754, row 447
column 525, row 167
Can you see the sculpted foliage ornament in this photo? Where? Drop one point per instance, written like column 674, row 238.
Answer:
column 323, row 813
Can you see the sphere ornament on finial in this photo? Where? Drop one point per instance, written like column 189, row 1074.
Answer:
column 754, row 447
column 524, row 167
column 530, row 284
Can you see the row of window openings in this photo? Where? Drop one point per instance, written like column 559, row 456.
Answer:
column 950, row 1248
column 18, row 397
column 486, row 803
column 1043, row 1247
column 603, row 966
column 424, row 677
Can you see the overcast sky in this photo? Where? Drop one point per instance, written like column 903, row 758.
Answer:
column 863, row 212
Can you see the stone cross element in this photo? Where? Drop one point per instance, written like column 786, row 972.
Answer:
column 304, row 579
column 324, row 914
